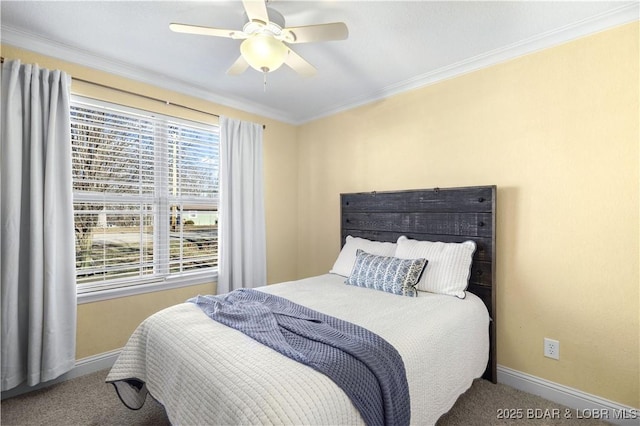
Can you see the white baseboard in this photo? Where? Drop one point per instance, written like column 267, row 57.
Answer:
column 83, row 367
column 582, row 405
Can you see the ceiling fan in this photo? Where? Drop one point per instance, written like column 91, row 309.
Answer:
column 266, row 39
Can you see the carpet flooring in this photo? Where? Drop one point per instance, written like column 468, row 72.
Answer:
column 88, row 400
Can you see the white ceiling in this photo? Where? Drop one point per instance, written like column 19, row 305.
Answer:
column 393, row 46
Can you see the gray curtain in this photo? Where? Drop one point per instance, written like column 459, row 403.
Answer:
column 37, row 265
column 242, row 241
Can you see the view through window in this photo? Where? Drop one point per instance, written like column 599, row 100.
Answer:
column 145, row 195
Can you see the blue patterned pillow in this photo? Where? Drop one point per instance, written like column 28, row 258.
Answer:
column 390, row 274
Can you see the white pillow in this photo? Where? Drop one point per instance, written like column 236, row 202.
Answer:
column 448, row 268
column 347, row 257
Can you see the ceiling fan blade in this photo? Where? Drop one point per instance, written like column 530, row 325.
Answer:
column 208, row 31
column 238, row 67
column 320, row 32
column 299, row 65
column 256, row 10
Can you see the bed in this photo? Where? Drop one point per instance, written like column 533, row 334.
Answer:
column 204, row 372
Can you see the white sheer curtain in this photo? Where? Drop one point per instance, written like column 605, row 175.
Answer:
column 37, row 254
column 242, row 242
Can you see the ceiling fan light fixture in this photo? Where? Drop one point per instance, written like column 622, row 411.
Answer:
column 263, row 52
column 266, row 40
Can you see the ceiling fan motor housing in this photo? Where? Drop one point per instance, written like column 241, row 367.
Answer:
column 274, row 26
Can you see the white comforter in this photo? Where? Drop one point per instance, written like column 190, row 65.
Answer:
column 206, row 373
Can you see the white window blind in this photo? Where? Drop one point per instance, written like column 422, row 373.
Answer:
column 145, row 195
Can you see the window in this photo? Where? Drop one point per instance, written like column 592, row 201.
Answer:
column 145, row 191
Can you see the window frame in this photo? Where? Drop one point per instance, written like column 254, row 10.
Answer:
column 128, row 286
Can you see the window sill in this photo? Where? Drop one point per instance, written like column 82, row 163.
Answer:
column 176, row 282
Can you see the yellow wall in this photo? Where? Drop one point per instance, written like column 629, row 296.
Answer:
column 557, row 132
column 105, row 326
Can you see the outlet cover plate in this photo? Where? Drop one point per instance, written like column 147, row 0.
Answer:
column 551, row 348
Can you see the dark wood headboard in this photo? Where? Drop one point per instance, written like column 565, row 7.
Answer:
column 439, row 214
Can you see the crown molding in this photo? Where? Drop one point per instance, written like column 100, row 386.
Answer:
column 615, row 17
column 619, row 16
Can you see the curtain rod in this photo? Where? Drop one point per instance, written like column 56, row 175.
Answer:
column 142, row 96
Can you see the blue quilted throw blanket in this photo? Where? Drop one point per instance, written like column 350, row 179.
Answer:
column 368, row 369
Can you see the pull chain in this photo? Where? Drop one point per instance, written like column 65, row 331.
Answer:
column 265, row 70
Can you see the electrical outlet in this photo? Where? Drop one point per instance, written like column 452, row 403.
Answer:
column 551, row 348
